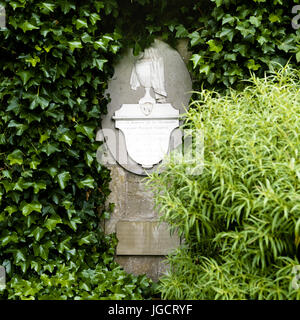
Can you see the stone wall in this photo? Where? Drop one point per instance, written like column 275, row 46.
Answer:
column 143, row 242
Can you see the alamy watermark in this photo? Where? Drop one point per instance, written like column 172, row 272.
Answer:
column 2, row 18
column 189, row 154
column 2, row 278
column 296, row 19
column 296, row 279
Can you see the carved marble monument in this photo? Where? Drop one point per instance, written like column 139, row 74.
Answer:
column 147, row 126
column 148, row 93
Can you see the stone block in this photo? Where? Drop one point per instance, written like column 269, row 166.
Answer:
column 153, row 266
column 145, row 238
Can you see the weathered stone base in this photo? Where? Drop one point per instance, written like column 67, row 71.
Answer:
column 153, row 266
column 145, row 238
column 143, row 242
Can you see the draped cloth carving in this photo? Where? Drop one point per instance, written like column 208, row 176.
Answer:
column 148, row 71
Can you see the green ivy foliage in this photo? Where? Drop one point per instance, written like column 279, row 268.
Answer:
column 240, row 214
column 237, row 37
column 54, row 69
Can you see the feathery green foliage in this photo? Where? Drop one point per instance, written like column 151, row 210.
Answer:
column 241, row 216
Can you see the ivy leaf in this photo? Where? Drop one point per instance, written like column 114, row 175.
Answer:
column 195, row 38
column 214, row 46
column 228, row 33
column 204, row 69
column 7, row 185
column 27, row 26
column 33, row 61
column 11, row 209
column 48, row 6
column 49, row 149
column 102, row 43
column 38, row 233
column 99, row 63
column 241, row 48
column 81, row 23
column 19, row 126
column 37, row 186
column 66, row 137
column 137, row 49
column 41, row 250
column 230, row 56
column 17, row 4
column 51, row 223
column 34, row 164
column 228, row 19
column 16, row 157
column 39, row 101
column 86, row 130
column 35, row 265
column 94, row 17
column 63, row 245
column 255, row 21
column 85, row 240
column 246, row 29
column 14, row 105
column 9, row 238
column 274, row 18
column 86, row 182
column 52, row 171
column 66, row 6
column 287, row 45
column 218, row 2
column 88, row 157
column 45, row 136
column 114, row 48
column 181, row 31
column 27, row 208
column 25, row 76
column 20, row 256
column 196, row 59
column 86, row 38
column 63, row 179
column 75, row 45
column 252, row 65
column 261, row 40
column 73, row 223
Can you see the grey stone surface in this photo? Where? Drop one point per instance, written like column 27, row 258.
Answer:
column 145, row 238
column 182, row 48
column 133, row 203
column 153, row 266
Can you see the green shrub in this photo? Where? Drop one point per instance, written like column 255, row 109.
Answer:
column 241, row 216
column 56, row 57
column 236, row 37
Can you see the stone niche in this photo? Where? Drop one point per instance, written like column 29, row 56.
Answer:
column 148, row 93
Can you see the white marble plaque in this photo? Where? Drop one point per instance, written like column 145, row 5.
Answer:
column 147, row 137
